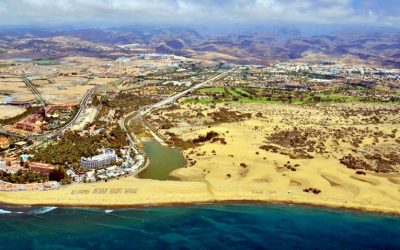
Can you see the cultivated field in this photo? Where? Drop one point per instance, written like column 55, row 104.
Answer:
column 10, row 111
column 63, row 90
column 16, row 88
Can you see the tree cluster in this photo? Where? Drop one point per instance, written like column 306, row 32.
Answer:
column 22, row 176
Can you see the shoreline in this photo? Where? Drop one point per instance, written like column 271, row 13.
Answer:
column 253, row 167
column 232, row 174
column 359, row 210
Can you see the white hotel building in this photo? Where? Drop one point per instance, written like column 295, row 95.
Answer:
column 99, row 161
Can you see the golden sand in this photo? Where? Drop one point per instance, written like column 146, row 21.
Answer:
column 219, row 177
column 131, row 191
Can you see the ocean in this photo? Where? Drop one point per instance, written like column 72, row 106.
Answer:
column 196, row 227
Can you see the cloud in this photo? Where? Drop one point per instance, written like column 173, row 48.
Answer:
column 383, row 12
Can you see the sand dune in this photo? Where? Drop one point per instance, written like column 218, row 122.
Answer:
column 241, row 171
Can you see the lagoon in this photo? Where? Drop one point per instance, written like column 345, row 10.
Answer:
column 163, row 160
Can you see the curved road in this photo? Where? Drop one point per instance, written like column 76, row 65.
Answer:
column 82, row 106
column 147, row 109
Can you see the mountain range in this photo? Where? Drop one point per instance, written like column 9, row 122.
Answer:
column 380, row 47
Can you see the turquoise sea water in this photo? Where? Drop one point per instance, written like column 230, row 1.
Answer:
column 196, row 227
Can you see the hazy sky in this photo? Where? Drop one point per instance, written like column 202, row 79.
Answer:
column 378, row 12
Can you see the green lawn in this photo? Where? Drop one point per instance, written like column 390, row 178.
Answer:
column 45, row 62
column 243, row 92
column 242, row 95
column 230, row 100
column 232, row 92
column 257, row 100
column 5, row 65
column 213, row 90
column 307, row 100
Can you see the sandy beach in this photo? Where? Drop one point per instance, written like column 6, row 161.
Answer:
column 131, row 192
column 242, row 170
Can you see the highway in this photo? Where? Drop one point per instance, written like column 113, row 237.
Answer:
column 125, row 121
column 58, row 132
column 82, row 106
column 173, row 98
column 35, row 92
column 3, row 132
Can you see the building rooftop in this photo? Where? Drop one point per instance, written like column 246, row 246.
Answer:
column 107, row 152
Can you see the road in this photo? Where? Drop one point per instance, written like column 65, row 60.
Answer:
column 56, row 133
column 126, row 120
column 175, row 97
column 2, row 131
column 42, row 137
column 82, row 106
column 37, row 94
column 147, row 109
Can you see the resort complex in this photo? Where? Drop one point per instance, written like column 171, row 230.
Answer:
column 163, row 121
column 220, row 131
column 99, row 161
column 187, row 124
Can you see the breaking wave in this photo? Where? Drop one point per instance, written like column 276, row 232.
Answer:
column 42, row 210
column 2, row 211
